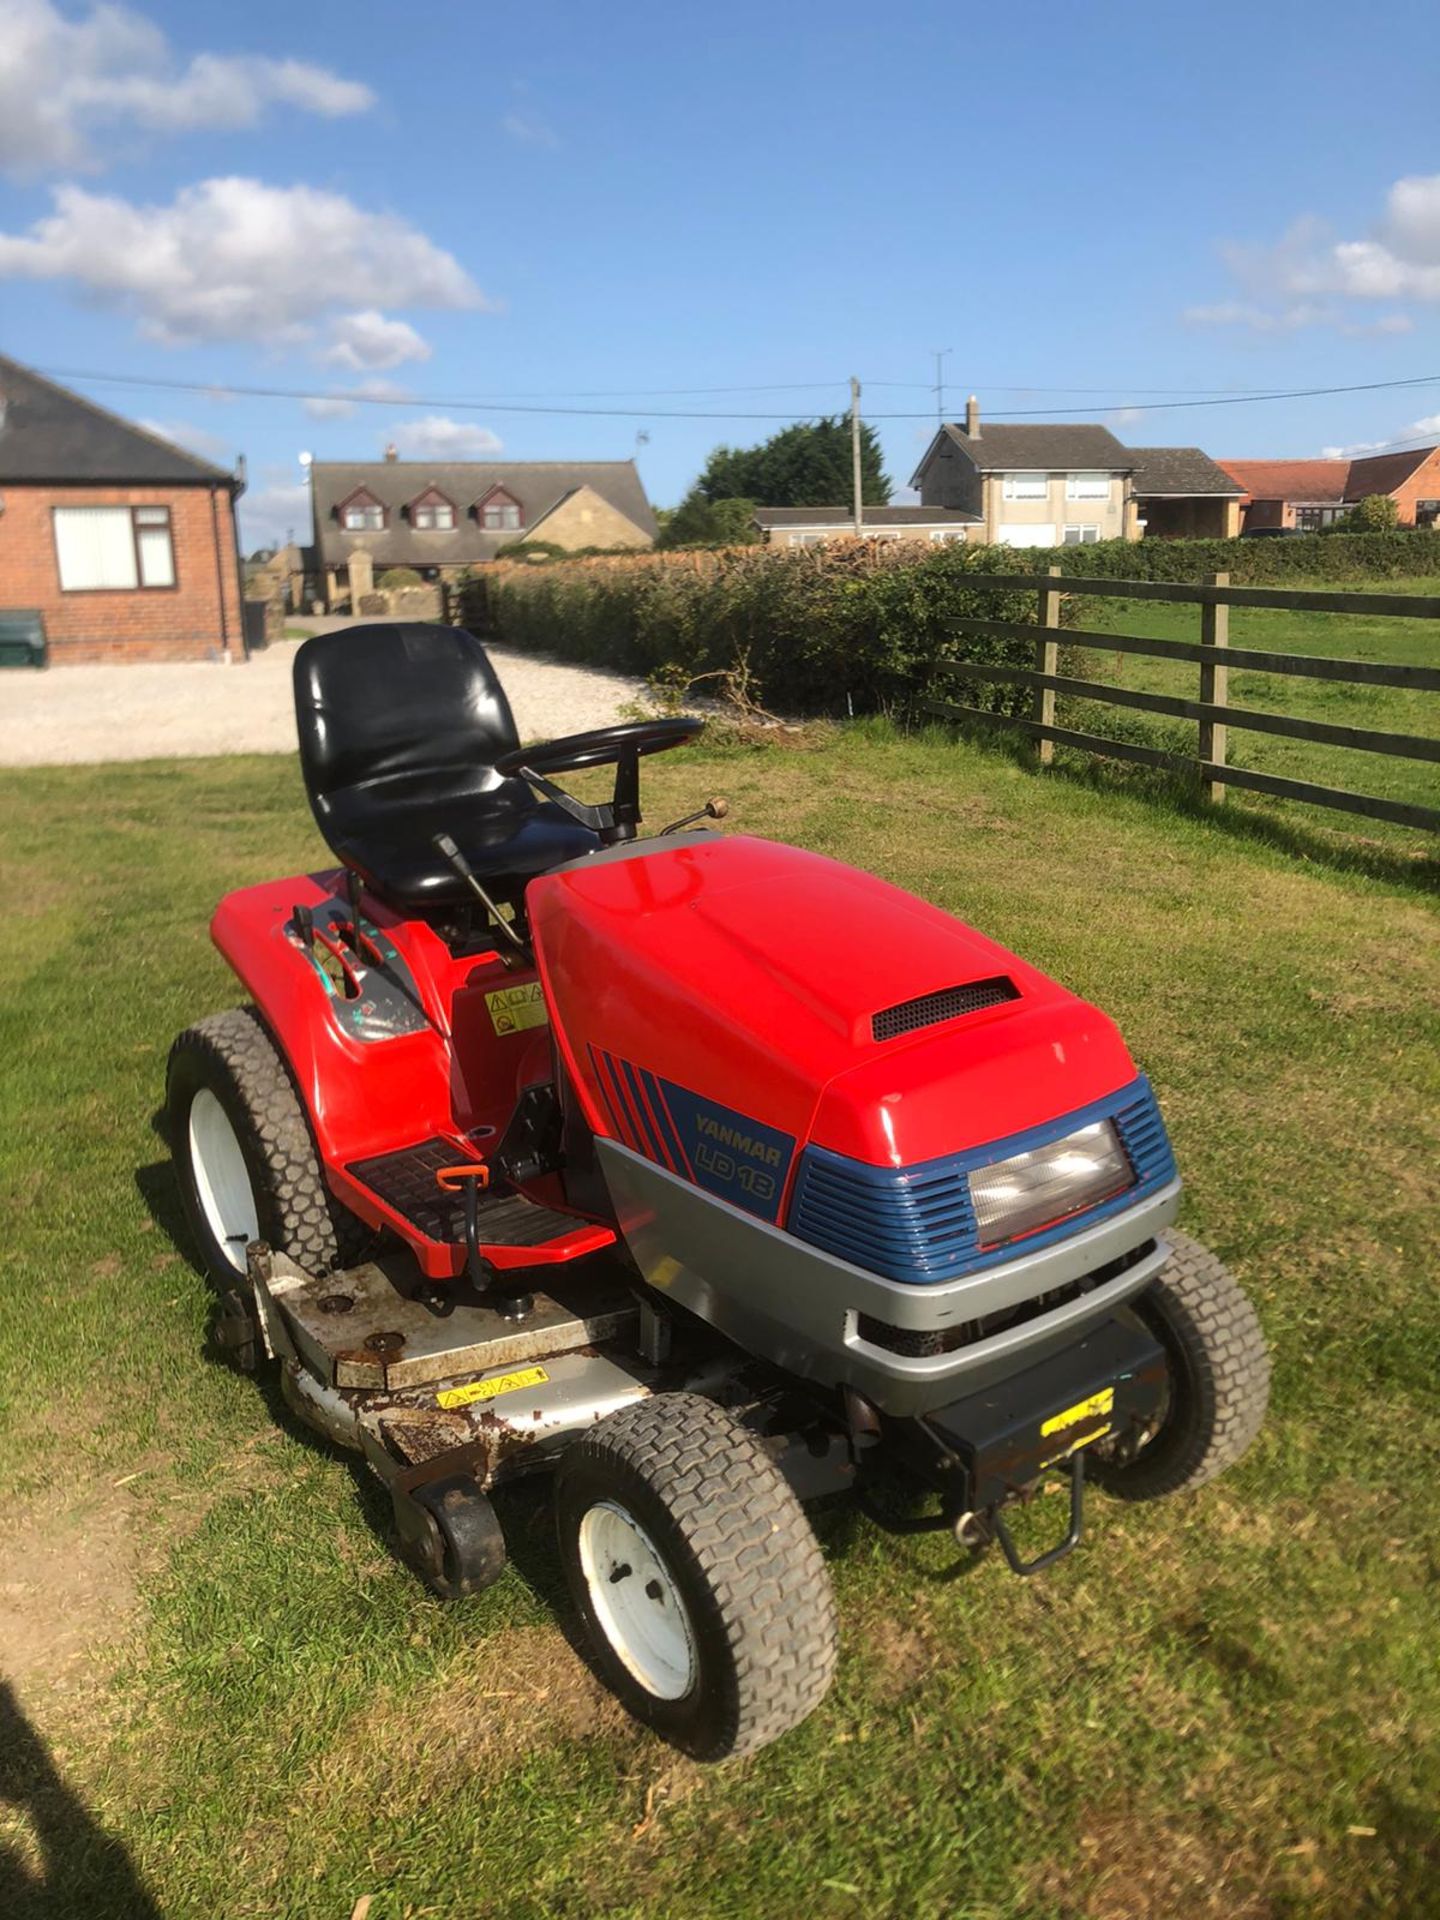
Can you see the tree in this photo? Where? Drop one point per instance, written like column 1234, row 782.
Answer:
column 698, row 522
column 804, row 465
column 1376, row 513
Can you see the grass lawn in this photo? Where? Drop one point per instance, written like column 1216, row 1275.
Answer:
column 1400, row 642
column 1225, row 1705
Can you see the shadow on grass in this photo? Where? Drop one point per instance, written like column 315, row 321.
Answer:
column 83, row 1869
column 1375, row 860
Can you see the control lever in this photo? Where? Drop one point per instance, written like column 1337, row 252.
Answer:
column 712, row 810
column 449, row 852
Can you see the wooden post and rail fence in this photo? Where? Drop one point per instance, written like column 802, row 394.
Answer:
column 1212, row 709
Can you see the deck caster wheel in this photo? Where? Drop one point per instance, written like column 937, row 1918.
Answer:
column 697, row 1576
column 237, row 1331
column 450, row 1535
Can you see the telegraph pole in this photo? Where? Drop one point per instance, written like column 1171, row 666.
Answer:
column 941, row 354
column 855, row 453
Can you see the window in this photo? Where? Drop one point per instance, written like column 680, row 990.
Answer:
column 500, row 512
column 1027, row 486
column 1019, row 535
column 113, row 547
column 1312, row 518
column 432, row 513
column 1080, row 536
column 808, row 539
column 946, row 534
column 1087, row 486
column 362, row 513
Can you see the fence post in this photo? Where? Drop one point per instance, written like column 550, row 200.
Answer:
column 1214, row 684
column 1047, row 660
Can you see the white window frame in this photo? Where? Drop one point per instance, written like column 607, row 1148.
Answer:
column 366, row 517
column 435, row 516
column 1027, row 486
column 141, row 555
column 1079, row 536
column 1087, row 486
column 943, row 534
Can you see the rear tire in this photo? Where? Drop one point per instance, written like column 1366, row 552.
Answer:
column 1219, row 1378
column 697, row 1575
column 244, row 1155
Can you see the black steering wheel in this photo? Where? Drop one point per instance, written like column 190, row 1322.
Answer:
column 622, row 747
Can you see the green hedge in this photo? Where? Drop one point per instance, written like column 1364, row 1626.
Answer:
column 824, row 630
column 847, row 628
column 1336, row 558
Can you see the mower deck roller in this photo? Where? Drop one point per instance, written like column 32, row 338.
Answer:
column 706, row 1174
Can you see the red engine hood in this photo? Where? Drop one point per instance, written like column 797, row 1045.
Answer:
column 749, row 973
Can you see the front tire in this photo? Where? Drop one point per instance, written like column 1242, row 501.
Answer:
column 697, row 1576
column 244, row 1155
column 1219, row 1379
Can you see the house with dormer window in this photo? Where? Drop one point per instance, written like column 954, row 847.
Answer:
column 441, row 518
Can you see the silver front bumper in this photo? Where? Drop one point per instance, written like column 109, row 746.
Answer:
column 801, row 1309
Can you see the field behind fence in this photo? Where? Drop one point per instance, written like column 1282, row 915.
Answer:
column 1210, row 701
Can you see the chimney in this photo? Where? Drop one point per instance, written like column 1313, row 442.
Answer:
column 972, row 418
column 392, row 452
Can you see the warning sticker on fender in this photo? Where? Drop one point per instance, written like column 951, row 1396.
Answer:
column 512, row 1009
column 1095, row 1408
column 466, row 1396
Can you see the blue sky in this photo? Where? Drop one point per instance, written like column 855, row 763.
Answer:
column 585, row 206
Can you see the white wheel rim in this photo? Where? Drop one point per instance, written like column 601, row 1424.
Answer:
column 636, row 1601
column 222, row 1180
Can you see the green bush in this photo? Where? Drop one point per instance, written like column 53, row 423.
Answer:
column 826, row 630
column 398, row 577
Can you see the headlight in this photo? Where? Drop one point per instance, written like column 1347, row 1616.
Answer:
column 1035, row 1189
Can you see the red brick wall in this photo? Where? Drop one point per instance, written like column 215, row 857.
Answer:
column 182, row 622
column 1423, row 484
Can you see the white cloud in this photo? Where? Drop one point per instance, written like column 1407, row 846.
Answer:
column 529, row 129
column 234, row 259
column 269, row 514
column 197, row 440
column 1290, row 319
column 1426, row 429
column 61, row 79
column 1307, row 277
column 341, row 405
column 436, row 438
column 368, row 339
column 1126, row 416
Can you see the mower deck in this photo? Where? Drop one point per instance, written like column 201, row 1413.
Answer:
column 371, row 1328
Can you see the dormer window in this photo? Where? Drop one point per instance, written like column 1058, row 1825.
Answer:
column 362, row 513
column 432, row 512
column 499, row 512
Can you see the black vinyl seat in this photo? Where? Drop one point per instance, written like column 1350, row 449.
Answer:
column 400, row 728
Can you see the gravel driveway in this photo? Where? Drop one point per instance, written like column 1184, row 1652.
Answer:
column 178, row 712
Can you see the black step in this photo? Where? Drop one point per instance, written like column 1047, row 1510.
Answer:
column 405, row 1181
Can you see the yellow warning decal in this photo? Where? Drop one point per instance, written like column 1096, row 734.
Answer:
column 1095, row 1408
column 489, row 1389
column 512, row 1009
column 1074, row 1446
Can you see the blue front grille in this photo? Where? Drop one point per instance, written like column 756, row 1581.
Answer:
column 917, row 1223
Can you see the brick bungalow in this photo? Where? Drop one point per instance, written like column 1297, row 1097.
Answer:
column 123, row 544
column 1309, row 494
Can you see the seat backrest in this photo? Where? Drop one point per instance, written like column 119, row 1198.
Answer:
column 397, row 708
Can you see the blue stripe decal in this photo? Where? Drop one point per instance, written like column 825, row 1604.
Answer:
column 664, row 1121
column 647, row 1126
column 917, row 1224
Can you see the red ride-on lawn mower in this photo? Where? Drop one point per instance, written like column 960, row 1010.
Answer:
column 708, row 1173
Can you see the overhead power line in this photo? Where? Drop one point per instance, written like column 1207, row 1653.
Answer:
column 502, row 404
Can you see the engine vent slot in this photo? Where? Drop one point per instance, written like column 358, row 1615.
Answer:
column 931, row 1008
